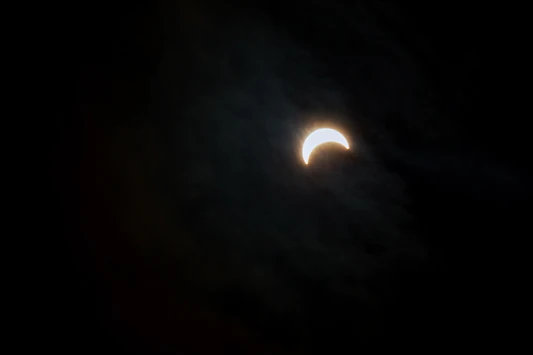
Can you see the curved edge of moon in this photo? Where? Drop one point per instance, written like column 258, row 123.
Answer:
column 321, row 136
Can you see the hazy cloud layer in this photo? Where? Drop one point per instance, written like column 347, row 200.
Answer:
column 210, row 183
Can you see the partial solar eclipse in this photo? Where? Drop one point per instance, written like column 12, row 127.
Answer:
column 323, row 135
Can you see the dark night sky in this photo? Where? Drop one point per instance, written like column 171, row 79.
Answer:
column 189, row 224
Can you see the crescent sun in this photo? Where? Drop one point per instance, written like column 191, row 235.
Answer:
column 323, row 135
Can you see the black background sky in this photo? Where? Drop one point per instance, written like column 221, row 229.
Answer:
column 188, row 223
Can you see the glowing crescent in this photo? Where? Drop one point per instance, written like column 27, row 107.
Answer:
column 323, row 135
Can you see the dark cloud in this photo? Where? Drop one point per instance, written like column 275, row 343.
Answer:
column 195, row 193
